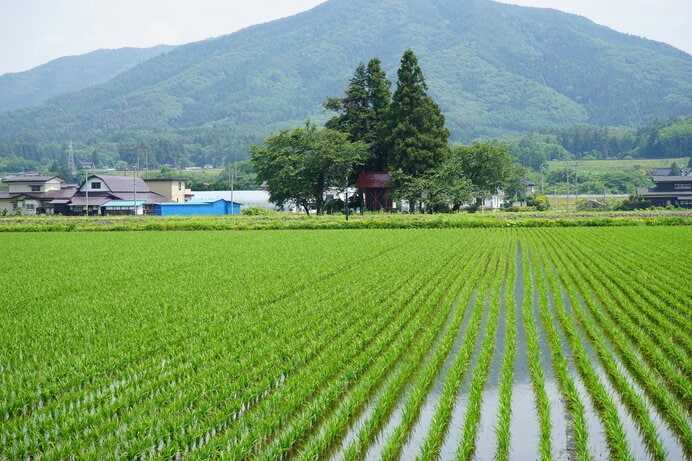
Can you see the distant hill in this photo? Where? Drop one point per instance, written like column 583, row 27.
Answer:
column 495, row 69
column 69, row 74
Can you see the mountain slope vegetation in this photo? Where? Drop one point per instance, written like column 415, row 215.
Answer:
column 494, row 69
column 69, row 74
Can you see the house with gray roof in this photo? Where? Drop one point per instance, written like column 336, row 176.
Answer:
column 33, row 194
column 106, row 194
column 670, row 190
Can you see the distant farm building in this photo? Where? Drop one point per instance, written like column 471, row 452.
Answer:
column 197, row 207
column 249, row 198
column 375, row 187
column 669, row 190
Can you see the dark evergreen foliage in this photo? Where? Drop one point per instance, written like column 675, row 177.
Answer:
column 415, row 136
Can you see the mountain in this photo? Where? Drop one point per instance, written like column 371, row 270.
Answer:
column 69, row 74
column 493, row 68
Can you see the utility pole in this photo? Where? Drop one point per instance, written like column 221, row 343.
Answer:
column 576, row 186
column 86, row 188
column 134, row 185
column 542, row 165
column 567, row 196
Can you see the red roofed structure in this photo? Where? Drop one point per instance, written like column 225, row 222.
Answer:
column 375, row 187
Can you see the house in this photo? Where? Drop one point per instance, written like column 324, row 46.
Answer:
column 104, row 194
column 174, row 189
column 375, row 187
column 33, row 193
column 195, row 208
column 669, row 190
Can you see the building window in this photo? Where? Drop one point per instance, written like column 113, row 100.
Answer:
column 679, row 186
column 180, row 185
column 96, row 185
column 35, row 188
column 29, row 206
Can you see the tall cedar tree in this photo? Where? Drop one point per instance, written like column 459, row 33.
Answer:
column 414, row 128
column 362, row 110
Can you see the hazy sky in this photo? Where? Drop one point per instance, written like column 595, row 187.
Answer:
column 33, row 32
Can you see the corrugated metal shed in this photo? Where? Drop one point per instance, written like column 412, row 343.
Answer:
column 197, row 207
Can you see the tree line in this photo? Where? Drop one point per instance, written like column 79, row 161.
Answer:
column 375, row 130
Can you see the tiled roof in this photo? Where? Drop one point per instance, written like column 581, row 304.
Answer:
column 91, row 201
column 671, row 178
column 122, row 183
column 29, row 178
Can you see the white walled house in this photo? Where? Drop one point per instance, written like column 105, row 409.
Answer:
column 33, row 194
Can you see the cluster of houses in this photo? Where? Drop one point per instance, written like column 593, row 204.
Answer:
column 33, row 194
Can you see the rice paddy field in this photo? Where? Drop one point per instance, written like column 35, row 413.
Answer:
column 499, row 343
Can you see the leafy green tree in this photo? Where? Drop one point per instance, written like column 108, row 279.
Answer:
column 362, row 110
column 415, row 134
column 299, row 165
column 488, row 166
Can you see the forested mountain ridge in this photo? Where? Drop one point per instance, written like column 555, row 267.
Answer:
column 69, row 74
column 494, row 69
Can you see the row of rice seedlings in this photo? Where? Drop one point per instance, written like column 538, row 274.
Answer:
column 646, row 316
column 81, row 407
column 633, row 402
column 467, row 448
column 200, row 377
column 535, row 365
column 297, row 392
column 502, row 428
column 636, row 406
column 452, row 375
column 357, row 398
column 418, row 392
column 651, row 313
column 322, row 351
column 313, row 370
column 440, row 337
column 378, row 369
column 53, row 373
column 616, row 314
column 649, row 251
column 578, row 429
column 614, row 432
column 390, row 396
column 426, row 412
column 88, row 407
column 669, row 410
column 452, row 382
column 669, row 307
column 439, row 287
